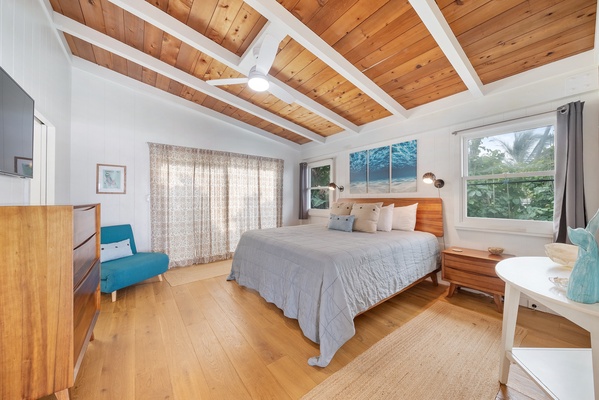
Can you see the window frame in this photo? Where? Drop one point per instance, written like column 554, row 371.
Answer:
column 513, row 226
column 316, row 164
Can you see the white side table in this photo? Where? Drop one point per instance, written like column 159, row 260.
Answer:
column 562, row 373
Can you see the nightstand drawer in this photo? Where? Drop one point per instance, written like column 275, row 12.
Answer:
column 476, row 265
column 473, row 280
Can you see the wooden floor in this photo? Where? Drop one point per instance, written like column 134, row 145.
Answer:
column 212, row 339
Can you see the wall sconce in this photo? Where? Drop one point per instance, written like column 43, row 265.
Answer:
column 333, row 186
column 429, row 178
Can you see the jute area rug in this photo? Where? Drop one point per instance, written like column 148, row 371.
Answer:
column 183, row 275
column 446, row 352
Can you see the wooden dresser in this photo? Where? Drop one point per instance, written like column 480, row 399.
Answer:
column 49, row 296
column 474, row 269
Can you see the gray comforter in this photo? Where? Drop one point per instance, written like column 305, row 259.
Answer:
column 324, row 278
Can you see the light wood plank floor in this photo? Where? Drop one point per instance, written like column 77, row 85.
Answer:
column 212, row 339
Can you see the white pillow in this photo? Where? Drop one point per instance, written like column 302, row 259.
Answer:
column 367, row 216
column 341, row 208
column 385, row 219
column 113, row 251
column 404, row 218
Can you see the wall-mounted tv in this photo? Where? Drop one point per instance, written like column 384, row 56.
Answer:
column 16, row 128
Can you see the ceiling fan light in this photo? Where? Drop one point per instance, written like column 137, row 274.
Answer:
column 257, row 81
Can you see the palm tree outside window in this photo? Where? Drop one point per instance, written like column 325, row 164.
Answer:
column 509, row 174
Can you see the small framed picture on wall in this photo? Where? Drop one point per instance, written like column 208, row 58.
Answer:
column 111, row 179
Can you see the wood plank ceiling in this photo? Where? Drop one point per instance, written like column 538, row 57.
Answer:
column 374, row 58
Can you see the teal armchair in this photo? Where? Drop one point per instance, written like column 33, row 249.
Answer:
column 123, row 272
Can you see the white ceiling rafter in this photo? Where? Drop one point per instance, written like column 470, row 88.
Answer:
column 141, row 87
column 172, row 26
column 275, row 12
column 94, row 37
column 433, row 19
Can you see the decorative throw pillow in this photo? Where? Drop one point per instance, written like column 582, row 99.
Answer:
column 404, row 218
column 367, row 216
column 385, row 219
column 113, row 251
column 341, row 222
column 341, row 208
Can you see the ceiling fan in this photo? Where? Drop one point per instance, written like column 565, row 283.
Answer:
column 258, row 78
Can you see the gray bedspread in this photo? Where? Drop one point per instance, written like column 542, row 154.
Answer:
column 324, row 278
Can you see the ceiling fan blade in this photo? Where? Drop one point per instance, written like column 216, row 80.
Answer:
column 280, row 92
column 267, row 53
column 229, row 81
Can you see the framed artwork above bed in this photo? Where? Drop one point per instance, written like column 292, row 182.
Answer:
column 386, row 169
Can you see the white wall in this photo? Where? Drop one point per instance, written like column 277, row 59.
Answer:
column 438, row 150
column 112, row 124
column 31, row 53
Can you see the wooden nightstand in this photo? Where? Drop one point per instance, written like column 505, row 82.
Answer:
column 474, row 269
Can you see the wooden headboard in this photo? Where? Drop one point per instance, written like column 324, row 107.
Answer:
column 429, row 215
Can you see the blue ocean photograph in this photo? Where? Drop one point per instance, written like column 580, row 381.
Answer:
column 403, row 166
column 378, row 170
column 358, row 172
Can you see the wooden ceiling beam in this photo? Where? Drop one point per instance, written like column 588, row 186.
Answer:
column 114, row 46
column 431, row 16
column 176, row 28
column 275, row 12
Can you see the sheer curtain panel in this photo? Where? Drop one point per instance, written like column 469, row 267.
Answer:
column 203, row 200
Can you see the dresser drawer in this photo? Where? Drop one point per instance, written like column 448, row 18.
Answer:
column 84, row 224
column 476, row 265
column 473, row 280
column 84, row 257
column 85, row 309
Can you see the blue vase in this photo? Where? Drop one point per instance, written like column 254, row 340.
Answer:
column 583, row 286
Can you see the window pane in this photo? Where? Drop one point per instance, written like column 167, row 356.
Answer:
column 320, row 176
column 529, row 198
column 319, row 198
column 523, row 151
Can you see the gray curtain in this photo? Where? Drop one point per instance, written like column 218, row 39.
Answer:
column 304, row 204
column 569, row 207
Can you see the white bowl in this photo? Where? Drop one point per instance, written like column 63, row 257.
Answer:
column 562, row 253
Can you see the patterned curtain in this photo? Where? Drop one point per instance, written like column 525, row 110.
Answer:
column 203, row 200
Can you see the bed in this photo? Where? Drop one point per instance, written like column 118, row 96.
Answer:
column 324, row 278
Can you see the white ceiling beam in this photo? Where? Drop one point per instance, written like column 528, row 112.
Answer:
column 275, row 12
column 152, row 91
column 96, row 38
column 433, row 19
column 174, row 27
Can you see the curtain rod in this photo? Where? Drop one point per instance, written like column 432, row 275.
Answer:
column 561, row 109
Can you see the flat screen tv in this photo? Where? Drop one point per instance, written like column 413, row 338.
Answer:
column 16, row 128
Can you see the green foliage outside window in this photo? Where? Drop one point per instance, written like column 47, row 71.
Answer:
column 319, row 194
column 518, row 178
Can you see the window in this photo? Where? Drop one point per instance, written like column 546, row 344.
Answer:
column 508, row 174
column 320, row 177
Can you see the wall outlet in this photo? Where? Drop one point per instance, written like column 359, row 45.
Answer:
column 534, row 305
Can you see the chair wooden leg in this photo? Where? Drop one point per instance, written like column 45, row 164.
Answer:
column 113, row 296
column 160, row 277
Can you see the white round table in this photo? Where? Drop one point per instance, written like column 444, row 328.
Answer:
column 562, row 373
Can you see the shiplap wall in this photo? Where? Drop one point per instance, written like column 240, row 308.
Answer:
column 31, row 53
